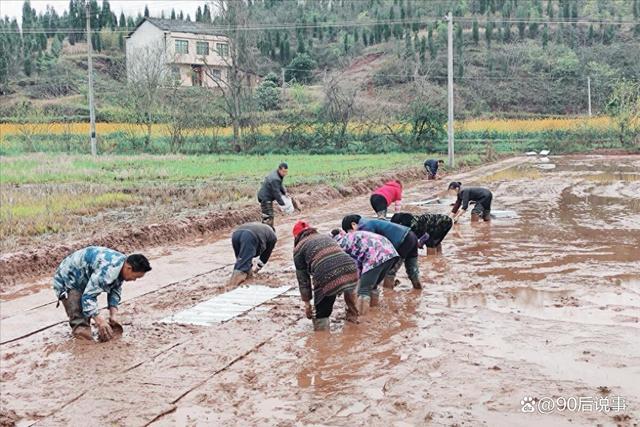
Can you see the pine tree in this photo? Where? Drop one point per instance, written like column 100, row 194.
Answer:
column 199, row 14
column 188, row 18
column 181, row 16
column 146, row 11
column 545, row 35
column 475, row 33
column 301, row 47
column 550, row 9
column 458, row 40
column 121, row 44
column 591, row 35
column 173, row 14
column 206, row 14
column 123, row 21
column 346, row 42
column 488, row 32
column 433, row 49
column 506, row 31
column 423, row 50
column 409, row 52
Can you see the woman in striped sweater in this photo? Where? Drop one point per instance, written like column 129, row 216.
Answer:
column 320, row 261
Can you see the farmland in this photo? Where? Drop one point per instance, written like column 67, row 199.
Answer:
column 51, row 197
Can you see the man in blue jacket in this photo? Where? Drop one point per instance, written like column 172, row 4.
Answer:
column 403, row 240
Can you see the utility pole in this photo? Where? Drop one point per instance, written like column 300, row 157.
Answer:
column 92, row 111
column 449, row 19
column 589, row 92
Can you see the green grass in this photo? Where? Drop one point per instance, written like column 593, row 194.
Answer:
column 57, row 194
column 139, row 169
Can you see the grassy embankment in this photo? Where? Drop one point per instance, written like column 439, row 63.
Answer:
column 45, row 193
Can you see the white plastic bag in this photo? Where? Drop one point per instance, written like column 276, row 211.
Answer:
column 288, row 205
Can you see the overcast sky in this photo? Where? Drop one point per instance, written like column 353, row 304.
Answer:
column 13, row 8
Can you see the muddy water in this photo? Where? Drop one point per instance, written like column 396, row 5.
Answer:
column 546, row 305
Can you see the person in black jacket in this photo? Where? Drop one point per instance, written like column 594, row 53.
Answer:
column 431, row 167
column 249, row 241
column 272, row 189
column 480, row 195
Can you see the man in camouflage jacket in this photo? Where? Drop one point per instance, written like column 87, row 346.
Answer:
column 87, row 273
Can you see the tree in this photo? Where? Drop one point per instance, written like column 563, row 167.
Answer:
column 475, row 34
column 268, row 93
column 146, row 11
column 488, row 32
column 206, row 14
column 173, row 14
column 338, row 108
column 624, row 107
column 199, row 14
column 545, row 35
column 236, row 90
column 147, row 75
column 123, row 20
column 300, row 68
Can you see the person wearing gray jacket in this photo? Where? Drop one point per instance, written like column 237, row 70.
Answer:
column 272, row 189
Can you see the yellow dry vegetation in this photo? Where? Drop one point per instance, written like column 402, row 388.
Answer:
column 474, row 125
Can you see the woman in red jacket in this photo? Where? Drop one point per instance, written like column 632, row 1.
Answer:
column 390, row 192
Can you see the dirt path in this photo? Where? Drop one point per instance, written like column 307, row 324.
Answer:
column 544, row 306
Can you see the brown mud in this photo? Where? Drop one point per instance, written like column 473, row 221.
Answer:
column 543, row 306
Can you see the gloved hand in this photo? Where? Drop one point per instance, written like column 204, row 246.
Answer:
column 422, row 240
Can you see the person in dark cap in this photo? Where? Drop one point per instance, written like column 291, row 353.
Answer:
column 272, row 189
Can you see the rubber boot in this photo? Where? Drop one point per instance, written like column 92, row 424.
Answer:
column 269, row 221
column 363, row 305
column 321, row 324
column 236, row 278
column 475, row 217
column 416, row 283
column 350, row 300
column 375, row 298
column 83, row 333
column 389, row 282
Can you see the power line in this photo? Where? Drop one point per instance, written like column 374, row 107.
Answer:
column 296, row 26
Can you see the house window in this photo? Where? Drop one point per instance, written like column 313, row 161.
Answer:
column 216, row 75
column 175, row 74
column 202, row 48
column 182, row 46
column 223, row 49
column 196, row 75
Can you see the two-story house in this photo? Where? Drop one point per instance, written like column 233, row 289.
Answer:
column 193, row 53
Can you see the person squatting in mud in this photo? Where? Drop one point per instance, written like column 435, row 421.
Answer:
column 272, row 189
column 87, row 273
column 403, row 240
column 375, row 256
column 384, row 196
column 431, row 167
column 320, row 260
column 430, row 229
column 251, row 240
column 480, row 195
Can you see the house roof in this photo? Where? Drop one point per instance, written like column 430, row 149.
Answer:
column 178, row 26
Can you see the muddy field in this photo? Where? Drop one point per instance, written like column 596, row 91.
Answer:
column 542, row 308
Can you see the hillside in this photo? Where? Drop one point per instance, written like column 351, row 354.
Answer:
column 381, row 58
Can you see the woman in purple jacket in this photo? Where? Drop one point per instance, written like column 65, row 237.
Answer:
column 375, row 256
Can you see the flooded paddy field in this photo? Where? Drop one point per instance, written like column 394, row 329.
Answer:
column 533, row 320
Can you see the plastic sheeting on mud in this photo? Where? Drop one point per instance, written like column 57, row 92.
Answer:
column 226, row 306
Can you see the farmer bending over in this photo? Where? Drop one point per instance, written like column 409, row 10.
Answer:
column 374, row 256
column 272, row 189
column 480, row 195
column 390, row 192
column 318, row 258
column 87, row 273
column 431, row 167
column 249, row 241
column 403, row 240
column 430, row 229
